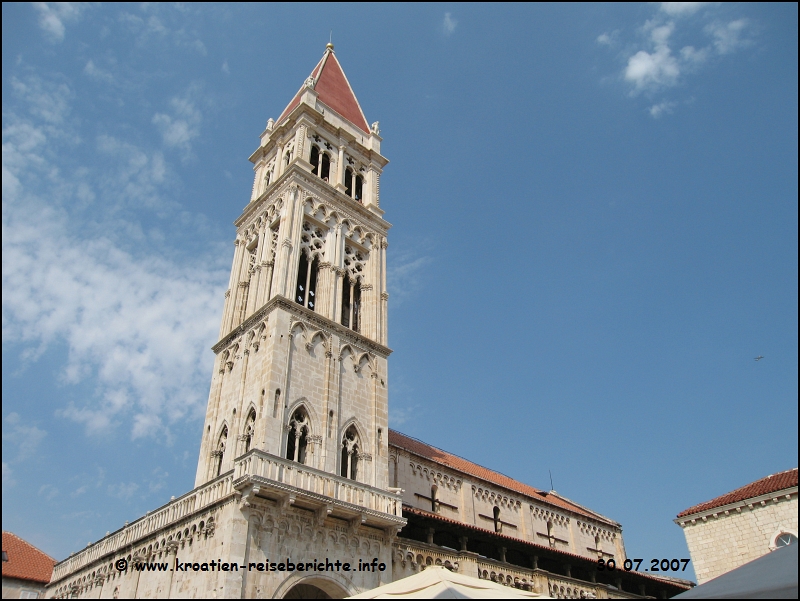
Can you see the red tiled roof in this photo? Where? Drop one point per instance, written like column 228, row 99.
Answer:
column 473, row 469
column 765, row 486
column 333, row 90
column 25, row 561
column 436, row 516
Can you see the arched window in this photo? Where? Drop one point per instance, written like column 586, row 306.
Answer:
column 297, row 439
column 325, row 168
column 307, row 281
column 219, row 453
column 353, row 184
column 315, row 159
column 784, row 539
column 359, row 188
column 351, row 304
column 249, row 431
column 350, row 451
column 498, row 525
column 434, row 500
column 348, row 182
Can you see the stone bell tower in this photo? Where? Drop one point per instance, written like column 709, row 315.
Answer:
column 301, row 363
column 291, row 497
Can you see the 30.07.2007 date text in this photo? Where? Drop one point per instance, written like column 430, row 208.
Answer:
column 656, row 565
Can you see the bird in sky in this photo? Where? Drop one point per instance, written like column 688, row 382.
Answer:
column 759, row 358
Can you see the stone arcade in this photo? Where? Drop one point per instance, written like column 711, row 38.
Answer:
column 297, row 464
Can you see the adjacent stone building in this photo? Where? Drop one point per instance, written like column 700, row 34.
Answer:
column 26, row 569
column 740, row 526
column 297, row 465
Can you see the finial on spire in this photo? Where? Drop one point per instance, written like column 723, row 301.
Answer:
column 329, row 45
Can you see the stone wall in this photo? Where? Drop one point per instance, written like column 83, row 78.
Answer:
column 728, row 537
column 470, row 500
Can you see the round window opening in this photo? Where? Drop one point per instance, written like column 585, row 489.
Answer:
column 785, row 539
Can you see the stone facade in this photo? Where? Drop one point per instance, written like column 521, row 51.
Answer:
column 724, row 536
column 534, row 516
column 14, row 588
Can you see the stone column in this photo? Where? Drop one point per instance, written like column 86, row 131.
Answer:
column 230, row 294
column 326, row 393
column 284, row 248
column 279, row 162
column 340, row 170
column 255, row 281
column 384, row 296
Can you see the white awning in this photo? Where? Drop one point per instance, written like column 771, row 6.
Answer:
column 773, row 576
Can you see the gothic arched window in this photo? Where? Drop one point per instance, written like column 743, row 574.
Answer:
column 434, row 499
column 350, row 450
column 314, row 159
column 297, row 439
column 353, row 184
column 498, row 525
column 325, row 167
column 351, row 304
column 307, row 282
column 320, row 163
column 249, row 430
column 219, row 451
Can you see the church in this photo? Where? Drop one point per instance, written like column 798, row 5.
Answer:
column 301, row 489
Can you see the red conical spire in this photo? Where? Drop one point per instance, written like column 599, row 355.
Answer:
column 333, row 90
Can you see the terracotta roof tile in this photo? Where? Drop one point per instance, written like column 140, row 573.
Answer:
column 333, row 90
column 473, row 469
column 765, row 486
column 25, row 561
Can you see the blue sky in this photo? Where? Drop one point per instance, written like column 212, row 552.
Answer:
column 595, row 233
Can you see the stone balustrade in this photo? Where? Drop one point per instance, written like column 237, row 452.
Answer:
column 292, row 479
column 175, row 510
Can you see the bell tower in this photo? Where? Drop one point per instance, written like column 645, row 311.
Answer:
column 300, row 373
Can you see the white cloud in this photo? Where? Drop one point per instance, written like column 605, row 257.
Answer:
column 137, row 326
column 728, row 36
column 140, row 326
column 178, row 130
column 225, row 68
column 608, row 39
column 652, row 70
column 654, row 66
column 405, row 273
column 8, row 475
column 48, row 491
column 659, row 109
column 24, row 437
column 53, row 15
column 96, row 72
column 79, row 491
column 449, row 24
column 681, row 9
column 693, row 56
column 123, row 491
column 400, row 415
column 47, row 101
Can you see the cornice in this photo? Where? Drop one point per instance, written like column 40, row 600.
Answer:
column 738, row 506
column 281, row 302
